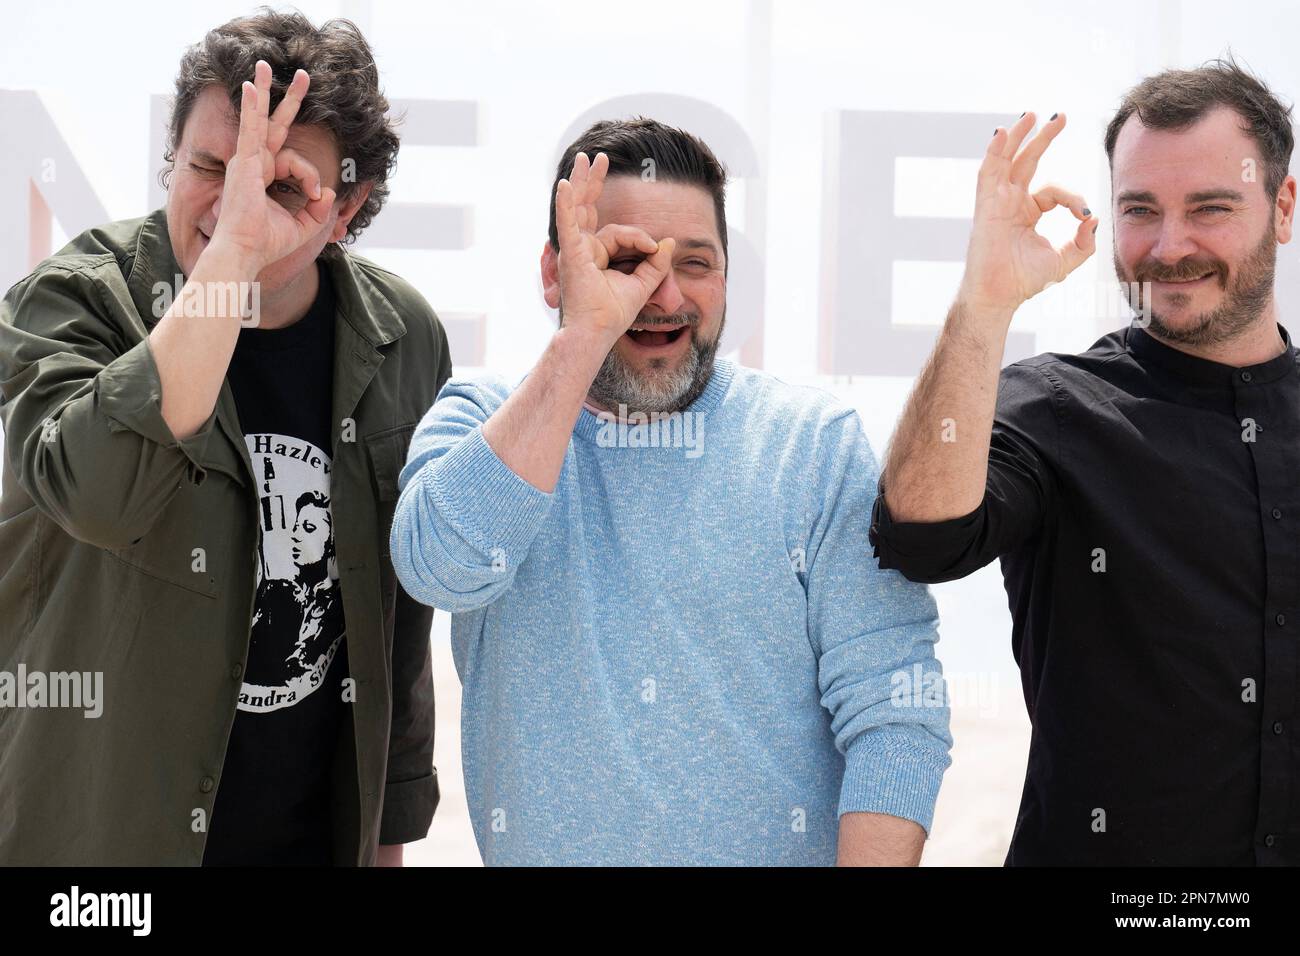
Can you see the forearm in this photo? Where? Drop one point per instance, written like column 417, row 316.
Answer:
column 193, row 352
column 530, row 432
column 937, row 462
column 878, row 839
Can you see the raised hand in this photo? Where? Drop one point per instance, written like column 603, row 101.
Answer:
column 262, row 227
column 1007, row 261
column 593, row 295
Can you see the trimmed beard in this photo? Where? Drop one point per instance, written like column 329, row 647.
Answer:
column 1248, row 295
column 659, row 390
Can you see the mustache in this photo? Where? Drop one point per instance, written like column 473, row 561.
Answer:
column 1151, row 271
column 690, row 319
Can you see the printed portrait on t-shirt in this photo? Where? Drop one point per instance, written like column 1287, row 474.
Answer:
column 297, row 624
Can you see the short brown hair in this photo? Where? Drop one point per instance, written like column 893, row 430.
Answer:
column 344, row 96
column 677, row 157
column 1176, row 99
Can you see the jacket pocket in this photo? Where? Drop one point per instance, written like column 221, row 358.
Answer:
column 387, row 452
column 180, row 569
column 187, row 545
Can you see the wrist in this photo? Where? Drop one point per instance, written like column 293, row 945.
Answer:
column 970, row 313
column 229, row 260
column 585, row 346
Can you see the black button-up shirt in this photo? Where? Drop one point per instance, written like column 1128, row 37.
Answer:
column 1145, row 505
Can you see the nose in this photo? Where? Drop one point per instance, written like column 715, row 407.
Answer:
column 1174, row 243
column 668, row 297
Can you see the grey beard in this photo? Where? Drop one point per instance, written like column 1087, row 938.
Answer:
column 658, row 390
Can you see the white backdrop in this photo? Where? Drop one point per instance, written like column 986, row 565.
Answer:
column 809, row 101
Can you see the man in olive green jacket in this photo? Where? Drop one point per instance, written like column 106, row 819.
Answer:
column 166, row 509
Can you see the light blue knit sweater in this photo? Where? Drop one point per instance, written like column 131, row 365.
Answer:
column 685, row 653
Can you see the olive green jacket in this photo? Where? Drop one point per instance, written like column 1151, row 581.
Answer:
column 126, row 553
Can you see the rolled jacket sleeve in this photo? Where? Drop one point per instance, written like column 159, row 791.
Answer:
column 82, row 409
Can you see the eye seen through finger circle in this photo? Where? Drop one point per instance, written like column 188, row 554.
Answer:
column 626, row 264
column 288, row 194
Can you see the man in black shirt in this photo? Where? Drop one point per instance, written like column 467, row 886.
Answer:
column 215, row 493
column 1143, row 497
column 273, row 806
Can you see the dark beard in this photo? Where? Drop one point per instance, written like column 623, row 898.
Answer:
column 1248, row 295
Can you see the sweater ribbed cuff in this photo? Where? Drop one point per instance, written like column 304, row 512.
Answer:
column 882, row 775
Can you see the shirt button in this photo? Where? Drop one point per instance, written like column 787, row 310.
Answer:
column 1277, row 512
column 1268, row 840
column 206, row 784
column 1277, row 726
column 1281, row 620
column 1246, row 376
column 237, row 671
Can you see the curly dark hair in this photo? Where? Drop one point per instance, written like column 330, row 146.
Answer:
column 344, row 96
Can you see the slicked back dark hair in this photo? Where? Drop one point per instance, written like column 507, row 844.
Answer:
column 1177, row 99
column 677, row 157
column 344, row 95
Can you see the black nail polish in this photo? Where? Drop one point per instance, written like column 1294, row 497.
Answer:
column 1094, row 229
column 995, row 132
column 1022, row 115
column 1054, row 116
column 1087, row 211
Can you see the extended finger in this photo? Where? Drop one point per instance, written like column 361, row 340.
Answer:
column 596, row 179
column 249, row 144
column 566, row 220
column 282, row 118
column 1025, row 164
column 578, row 180
column 1016, row 134
column 996, row 167
column 262, row 81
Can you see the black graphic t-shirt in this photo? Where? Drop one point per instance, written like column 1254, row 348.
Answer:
column 273, row 799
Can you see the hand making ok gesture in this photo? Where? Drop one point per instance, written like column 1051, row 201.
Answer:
column 593, row 295
column 262, row 226
column 1007, row 262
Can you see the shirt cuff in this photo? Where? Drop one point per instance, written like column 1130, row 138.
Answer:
column 909, row 544
column 408, row 809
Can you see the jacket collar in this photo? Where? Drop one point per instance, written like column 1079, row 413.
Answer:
column 363, row 306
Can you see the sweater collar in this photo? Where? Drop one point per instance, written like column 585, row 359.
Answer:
column 589, row 424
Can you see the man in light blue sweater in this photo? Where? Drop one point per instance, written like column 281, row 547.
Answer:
column 674, row 643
